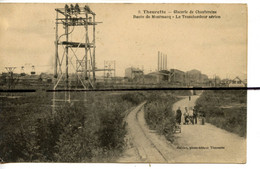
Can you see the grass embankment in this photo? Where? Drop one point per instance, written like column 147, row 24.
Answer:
column 89, row 131
column 158, row 112
column 225, row 109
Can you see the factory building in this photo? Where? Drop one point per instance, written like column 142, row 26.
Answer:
column 150, row 78
column 134, row 74
column 157, row 77
column 177, row 77
column 164, row 76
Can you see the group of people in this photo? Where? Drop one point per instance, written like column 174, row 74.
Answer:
column 190, row 116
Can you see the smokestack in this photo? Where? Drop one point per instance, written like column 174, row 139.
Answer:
column 161, row 61
column 158, row 60
column 166, row 62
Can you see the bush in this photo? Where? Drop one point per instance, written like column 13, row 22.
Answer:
column 225, row 109
column 159, row 115
column 134, row 98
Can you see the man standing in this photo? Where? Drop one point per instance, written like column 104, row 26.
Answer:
column 186, row 116
column 195, row 114
column 178, row 116
column 191, row 115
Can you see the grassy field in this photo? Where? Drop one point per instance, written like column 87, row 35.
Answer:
column 225, row 109
column 84, row 131
column 91, row 129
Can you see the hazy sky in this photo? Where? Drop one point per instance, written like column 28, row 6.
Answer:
column 214, row 46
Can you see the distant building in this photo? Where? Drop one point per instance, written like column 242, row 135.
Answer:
column 45, row 77
column 225, row 82
column 215, row 81
column 164, row 76
column 150, row 78
column 177, row 76
column 133, row 73
column 237, row 82
column 245, row 82
column 157, row 77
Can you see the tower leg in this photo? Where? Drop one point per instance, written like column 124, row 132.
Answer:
column 67, row 56
column 53, row 102
column 56, row 49
column 86, row 49
column 94, row 51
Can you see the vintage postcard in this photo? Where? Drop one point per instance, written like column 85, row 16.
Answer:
column 123, row 83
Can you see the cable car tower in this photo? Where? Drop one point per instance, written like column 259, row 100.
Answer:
column 10, row 78
column 84, row 68
column 22, row 71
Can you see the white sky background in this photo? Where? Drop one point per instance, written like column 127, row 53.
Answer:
column 212, row 46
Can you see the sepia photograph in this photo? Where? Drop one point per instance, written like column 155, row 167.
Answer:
column 123, row 83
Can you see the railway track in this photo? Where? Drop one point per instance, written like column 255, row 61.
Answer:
column 147, row 137
column 146, row 148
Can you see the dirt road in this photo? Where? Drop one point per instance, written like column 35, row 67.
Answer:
column 196, row 143
column 207, row 143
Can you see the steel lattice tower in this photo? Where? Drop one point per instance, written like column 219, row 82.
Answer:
column 71, row 16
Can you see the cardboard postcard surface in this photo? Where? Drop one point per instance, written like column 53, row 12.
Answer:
column 123, row 83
